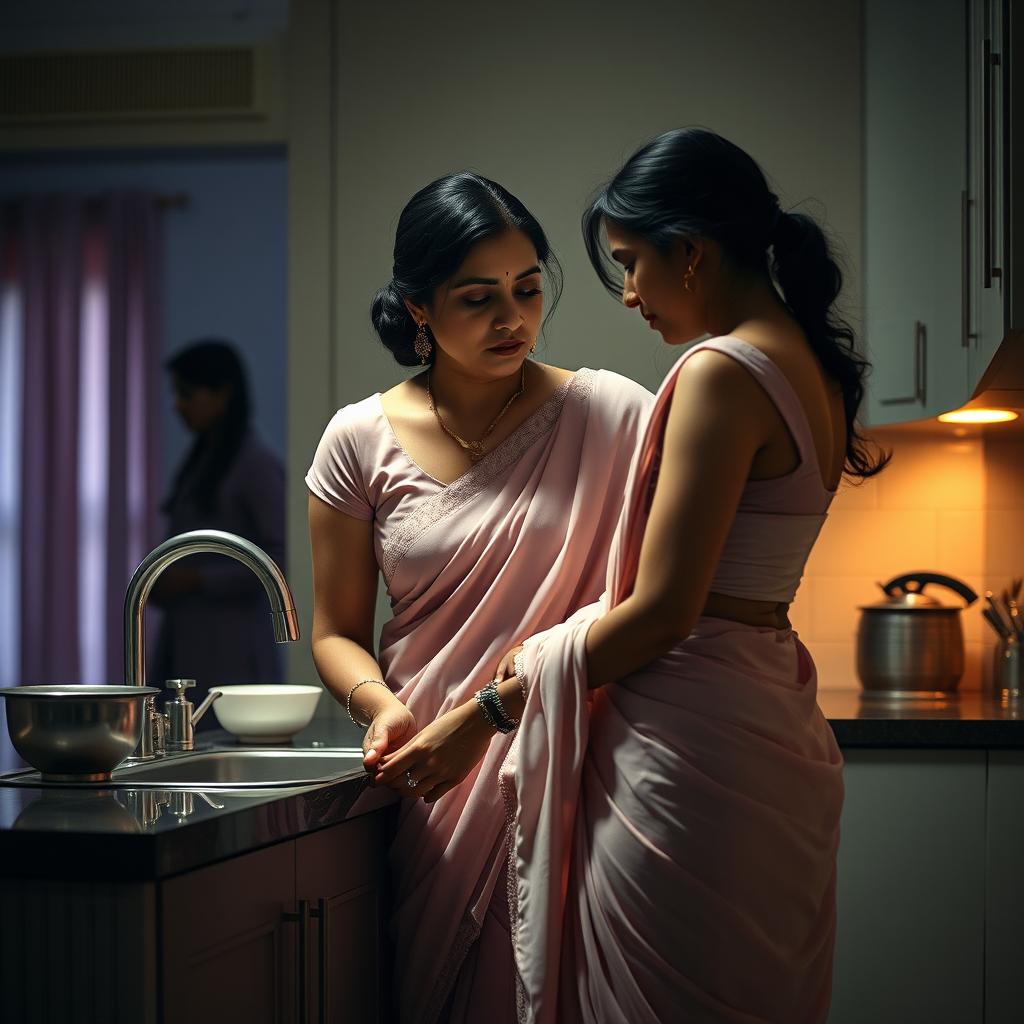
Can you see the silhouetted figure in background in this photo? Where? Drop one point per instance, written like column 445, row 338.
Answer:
column 216, row 625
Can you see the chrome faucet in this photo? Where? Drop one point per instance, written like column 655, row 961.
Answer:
column 282, row 607
column 180, row 716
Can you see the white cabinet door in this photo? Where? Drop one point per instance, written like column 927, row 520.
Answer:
column 1004, row 904
column 915, row 180
column 988, row 184
column 911, row 896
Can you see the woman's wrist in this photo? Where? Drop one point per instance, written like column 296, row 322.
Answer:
column 511, row 694
column 370, row 701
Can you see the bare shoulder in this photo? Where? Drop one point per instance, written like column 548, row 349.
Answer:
column 716, row 395
column 712, row 373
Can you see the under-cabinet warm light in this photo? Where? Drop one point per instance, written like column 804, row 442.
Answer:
column 978, row 416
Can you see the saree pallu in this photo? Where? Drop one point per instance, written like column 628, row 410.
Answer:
column 673, row 835
column 514, row 546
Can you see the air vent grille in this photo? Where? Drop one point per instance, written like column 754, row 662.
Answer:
column 42, row 87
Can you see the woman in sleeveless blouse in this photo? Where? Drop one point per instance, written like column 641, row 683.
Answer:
column 480, row 545
column 673, row 791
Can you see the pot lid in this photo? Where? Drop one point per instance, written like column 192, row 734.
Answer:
column 906, row 593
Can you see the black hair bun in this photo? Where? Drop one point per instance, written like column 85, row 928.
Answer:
column 393, row 324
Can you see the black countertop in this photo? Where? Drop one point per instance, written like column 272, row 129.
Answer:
column 135, row 834
column 127, row 834
column 964, row 720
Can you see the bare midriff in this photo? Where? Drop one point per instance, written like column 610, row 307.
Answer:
column 769, row 614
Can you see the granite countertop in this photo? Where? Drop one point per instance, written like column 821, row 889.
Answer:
column 129, row 834
column 135, row 834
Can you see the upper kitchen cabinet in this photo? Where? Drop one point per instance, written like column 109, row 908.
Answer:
column 916, row 179
column 989, row 154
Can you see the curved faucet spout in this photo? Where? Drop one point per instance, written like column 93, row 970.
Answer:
column 282, row 605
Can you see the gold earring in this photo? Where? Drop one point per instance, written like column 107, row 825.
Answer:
column 687, row 277
column 421, row 346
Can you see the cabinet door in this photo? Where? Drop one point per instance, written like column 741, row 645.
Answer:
column 228, row 949
column 989, row 81
column 342, row 873
column 915, row 181
column 1004, row 904
column 911, row 889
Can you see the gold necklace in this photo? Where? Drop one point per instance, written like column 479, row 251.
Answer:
column 475, row 449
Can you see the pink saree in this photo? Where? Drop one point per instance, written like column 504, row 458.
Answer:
column 674, row 835
column 514, row 546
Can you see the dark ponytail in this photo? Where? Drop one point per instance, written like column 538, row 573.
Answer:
column 436, row 230
column 690, row 181
column 810, row 282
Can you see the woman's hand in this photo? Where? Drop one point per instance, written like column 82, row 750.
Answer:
column 506, row 667
column 440, row 756
column 391, row 726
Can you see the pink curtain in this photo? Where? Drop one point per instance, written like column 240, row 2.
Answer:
column 80, row 289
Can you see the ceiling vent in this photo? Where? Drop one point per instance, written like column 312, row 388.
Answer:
column 135, row 85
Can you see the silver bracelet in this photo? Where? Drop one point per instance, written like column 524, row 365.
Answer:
column 348, row 699
column 493, row 710
column 485, row 710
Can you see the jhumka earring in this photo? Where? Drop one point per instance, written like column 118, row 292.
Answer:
column 421, row 346
column 687, row 277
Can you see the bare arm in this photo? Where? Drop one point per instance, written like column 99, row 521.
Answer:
column 344, row 598
column 719, row 420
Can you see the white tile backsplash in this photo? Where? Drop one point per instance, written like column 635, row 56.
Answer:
column 926, row 511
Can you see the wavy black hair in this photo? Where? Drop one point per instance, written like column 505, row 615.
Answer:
column 211, row 363
column 436, row 230
column 690, row 181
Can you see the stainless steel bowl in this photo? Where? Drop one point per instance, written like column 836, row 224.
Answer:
column 76, row 733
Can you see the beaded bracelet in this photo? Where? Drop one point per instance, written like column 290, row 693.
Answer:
column 348, row 699
column 493, row 710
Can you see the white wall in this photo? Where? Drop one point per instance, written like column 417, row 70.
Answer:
column 549, row 99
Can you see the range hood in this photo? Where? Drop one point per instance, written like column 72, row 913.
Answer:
column 1002, row 384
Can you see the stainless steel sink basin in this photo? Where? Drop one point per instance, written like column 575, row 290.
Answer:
column 242, row 769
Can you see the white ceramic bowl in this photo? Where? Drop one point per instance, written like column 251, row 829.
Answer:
column 265, row 714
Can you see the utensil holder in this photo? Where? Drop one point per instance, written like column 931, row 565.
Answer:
column 1008, row 671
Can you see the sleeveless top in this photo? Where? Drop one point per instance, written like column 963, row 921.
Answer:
column 778, row 519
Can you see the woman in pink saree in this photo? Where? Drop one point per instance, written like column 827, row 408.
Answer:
column 486, row 492
column 673, row 790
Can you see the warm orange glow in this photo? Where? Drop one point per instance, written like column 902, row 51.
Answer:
column 978, row 416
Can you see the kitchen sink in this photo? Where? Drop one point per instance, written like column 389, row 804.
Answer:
column 219, row 769
column 242, row 769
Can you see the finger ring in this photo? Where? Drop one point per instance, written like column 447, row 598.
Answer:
column 409, row 779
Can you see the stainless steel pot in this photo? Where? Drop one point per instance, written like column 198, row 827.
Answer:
column 910, row 642
column 76, row 733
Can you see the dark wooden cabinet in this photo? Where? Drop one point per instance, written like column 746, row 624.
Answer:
column 341, row 877
column 227, row 941
column 292, row 934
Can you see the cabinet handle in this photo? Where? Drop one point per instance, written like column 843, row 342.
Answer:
column 920, row 370
column 301, row 917
column 966, row 334
column 991, row 62
column 321, row 913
